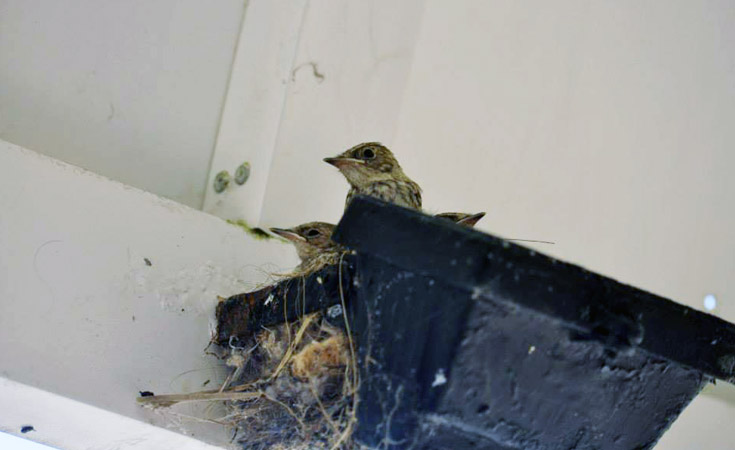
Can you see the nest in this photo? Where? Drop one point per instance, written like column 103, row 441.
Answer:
column 293, row 386
column 305, row 384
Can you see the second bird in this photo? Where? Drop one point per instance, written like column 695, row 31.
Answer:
column 468, row 220
column 372, row 170
column 314, row 245
column 316, row 249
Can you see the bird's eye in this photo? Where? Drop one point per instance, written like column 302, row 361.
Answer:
column 368, row 153
column 313, row 233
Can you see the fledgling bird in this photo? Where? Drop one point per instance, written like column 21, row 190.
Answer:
column 371, row 169
column 314, row 245
column 468, row 220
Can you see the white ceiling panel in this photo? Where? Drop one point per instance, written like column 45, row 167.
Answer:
column 131, row 90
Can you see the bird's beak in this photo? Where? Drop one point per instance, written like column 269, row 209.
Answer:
column 288, row 234
column 340, row 161
column 470, row 221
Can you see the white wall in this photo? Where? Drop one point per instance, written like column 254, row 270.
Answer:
column 130, row 90
column 83, row 316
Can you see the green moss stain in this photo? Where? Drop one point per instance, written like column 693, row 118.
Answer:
column 257, row 233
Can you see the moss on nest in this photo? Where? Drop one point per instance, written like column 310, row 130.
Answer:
column 257, row 233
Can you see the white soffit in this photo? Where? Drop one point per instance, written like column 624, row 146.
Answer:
column 130, row 90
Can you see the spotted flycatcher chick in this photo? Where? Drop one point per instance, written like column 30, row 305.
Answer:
column 468, row 220
column 371, row 169
column 314, row 245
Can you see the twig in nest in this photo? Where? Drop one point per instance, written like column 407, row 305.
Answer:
column 322, row 409
column 347, row 432
column 313, row 265
column 172, row 399
column 238, row 360
column 290, row 411
column 299, row 334
column 355, row 380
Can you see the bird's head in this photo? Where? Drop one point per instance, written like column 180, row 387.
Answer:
column 310, row 239
column 468, row 220
column 367, row 163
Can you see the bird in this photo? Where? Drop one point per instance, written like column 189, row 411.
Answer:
column 372, row 170
column 468, row 220
column 314, row 245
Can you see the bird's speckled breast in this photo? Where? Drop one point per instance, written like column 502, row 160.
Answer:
column 401, row 193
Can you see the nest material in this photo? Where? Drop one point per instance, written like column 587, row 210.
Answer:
column 319, row 357
column 316, row 263
column 293, row 387
column 306, row 381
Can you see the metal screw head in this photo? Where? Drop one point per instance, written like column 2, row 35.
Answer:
column 221, row 181
column 243, row 173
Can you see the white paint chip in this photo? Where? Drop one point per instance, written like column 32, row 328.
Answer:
column 334, row 311
column 710, row 302
column 269, row 300
column 439, row 378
